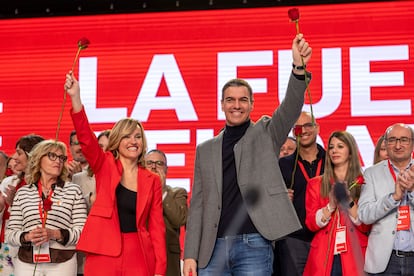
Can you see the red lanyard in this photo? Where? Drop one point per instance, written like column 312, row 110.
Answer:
column 42, row 213
column 305, row 173
column 392, row 171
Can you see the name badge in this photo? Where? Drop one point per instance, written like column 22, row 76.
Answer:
column 340, row 240
column 403, row 222
column 41, row 254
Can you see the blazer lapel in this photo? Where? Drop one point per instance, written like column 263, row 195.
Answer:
column 217, row 162
column 142, row 193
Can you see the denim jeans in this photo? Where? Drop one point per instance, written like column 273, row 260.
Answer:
column 336, row 266
column 241, row 255
column 401, row 266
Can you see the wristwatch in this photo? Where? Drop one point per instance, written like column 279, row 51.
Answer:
column 295, row 67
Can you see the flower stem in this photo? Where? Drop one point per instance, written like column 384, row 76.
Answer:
column 60, row 116
column 64, row 96
column 308, row 91
column 76, row 58
column 306, row 78
column 292, row 180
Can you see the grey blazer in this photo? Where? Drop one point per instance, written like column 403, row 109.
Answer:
column 375, row 208
column 258, row 175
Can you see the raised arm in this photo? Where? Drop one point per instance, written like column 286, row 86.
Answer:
column 88, row 141
column 72, row 88
column 300, row 50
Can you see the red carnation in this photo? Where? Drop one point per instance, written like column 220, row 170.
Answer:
column 297, row 130
column 293, row 14
column 359, row 180
column 47, row 205
column 83, row 43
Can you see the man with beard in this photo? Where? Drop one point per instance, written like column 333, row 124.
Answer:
column 291, row 253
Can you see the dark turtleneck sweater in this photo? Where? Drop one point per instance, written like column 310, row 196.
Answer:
column 234, row 219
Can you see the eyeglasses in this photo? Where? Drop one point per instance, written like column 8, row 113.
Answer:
column 157, row 163
column 307, row 126
column 74, row 143
column 53, row 156
column 403, row 140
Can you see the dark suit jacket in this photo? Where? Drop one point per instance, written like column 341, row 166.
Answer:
column 175, row 216
column 258, row 175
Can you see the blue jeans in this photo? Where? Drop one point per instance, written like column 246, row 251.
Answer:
column 241, row 255
column 401, row 266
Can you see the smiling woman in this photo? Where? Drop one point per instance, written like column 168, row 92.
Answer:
column 8, row 187
column 47, row 215
column 332, row 217
column 128, row 206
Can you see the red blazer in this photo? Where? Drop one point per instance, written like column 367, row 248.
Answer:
column 320, row 257
column 101, row 233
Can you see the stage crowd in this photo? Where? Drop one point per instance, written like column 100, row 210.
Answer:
column 266, row 198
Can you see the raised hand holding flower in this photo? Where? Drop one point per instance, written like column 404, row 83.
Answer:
column 83, row 43
column 302, row 55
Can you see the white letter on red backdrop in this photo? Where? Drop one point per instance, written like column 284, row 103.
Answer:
column 164, row 66
column 331, row 80
column 227, row 64
column 362, row 79
column 87, row 82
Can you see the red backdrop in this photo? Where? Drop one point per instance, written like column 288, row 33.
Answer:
column 166, row 69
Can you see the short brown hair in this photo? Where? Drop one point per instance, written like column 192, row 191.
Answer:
column 237, row 83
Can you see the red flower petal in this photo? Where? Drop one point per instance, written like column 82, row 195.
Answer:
column 360, row 180
column 297, row 130
column 293, row 14
column 47, row 205
column 83, row 43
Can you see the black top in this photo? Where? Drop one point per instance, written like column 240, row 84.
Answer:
column 126, row 201
column 286, row 166
column 234, row 219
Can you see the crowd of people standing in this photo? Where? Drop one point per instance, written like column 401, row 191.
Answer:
column 262, row 203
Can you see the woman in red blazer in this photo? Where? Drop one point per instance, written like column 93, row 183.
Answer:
column 339, row 245
column 125, row 232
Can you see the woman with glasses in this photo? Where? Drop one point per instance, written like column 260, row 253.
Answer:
column 8, row 188
column 47, row 215
column 338, row 247
column 125, row 231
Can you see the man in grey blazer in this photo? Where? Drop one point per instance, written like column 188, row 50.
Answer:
column 239, row 201
column 386, row 202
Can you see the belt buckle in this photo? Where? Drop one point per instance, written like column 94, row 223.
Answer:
column 398, row 255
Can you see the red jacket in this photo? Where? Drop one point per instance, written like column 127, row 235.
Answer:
column 101, row 233
column 321, row 253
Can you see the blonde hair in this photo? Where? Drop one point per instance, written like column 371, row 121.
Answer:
column 354, row 165
column 377, row 150
column 38, row 152
column 124, row 128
